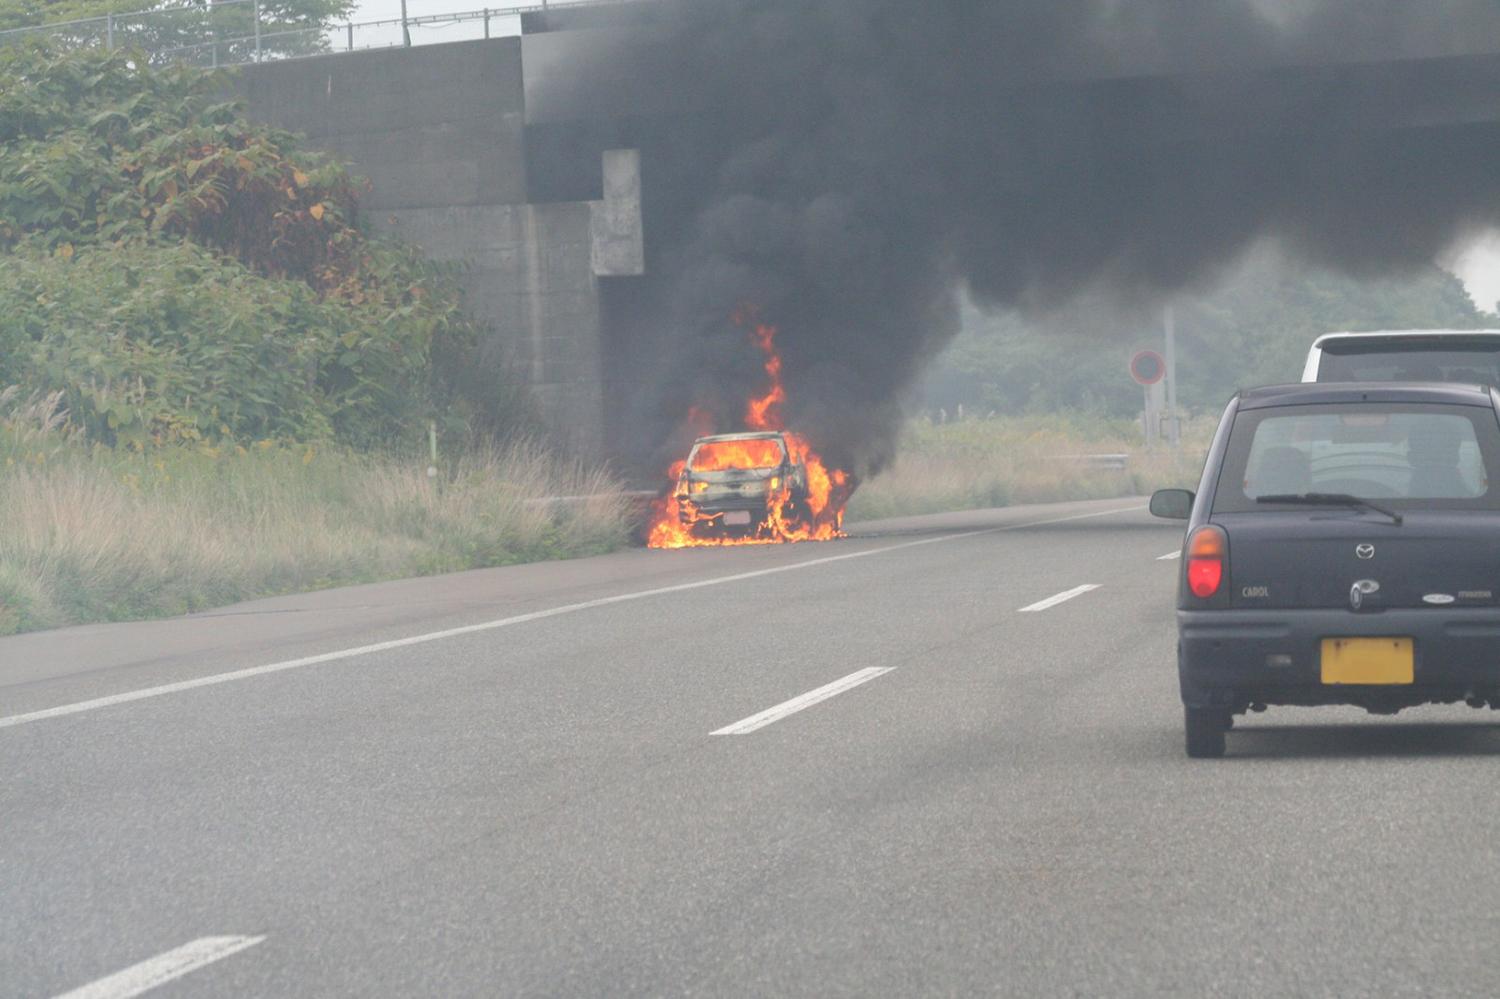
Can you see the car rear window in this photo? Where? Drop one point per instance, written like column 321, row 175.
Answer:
column 1407, row 456
column 1369, row 362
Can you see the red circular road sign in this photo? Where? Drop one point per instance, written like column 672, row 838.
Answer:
column 1148, row 367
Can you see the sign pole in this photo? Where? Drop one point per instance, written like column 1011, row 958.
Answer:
column 1174, row 429
column 1157, row 392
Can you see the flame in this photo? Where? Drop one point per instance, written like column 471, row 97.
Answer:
column 817, row 516
column 717, row 456
column 764, row 413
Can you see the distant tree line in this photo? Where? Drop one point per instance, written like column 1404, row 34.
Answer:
column 1252, row 328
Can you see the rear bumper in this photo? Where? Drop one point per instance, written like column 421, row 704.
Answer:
column 1237, row 657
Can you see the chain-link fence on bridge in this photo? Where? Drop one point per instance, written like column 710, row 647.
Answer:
column 232, row 32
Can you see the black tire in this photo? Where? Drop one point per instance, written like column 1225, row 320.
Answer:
column 1205, row 728
column 797, row 512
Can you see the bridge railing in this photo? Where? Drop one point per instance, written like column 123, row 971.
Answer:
column 233, row 32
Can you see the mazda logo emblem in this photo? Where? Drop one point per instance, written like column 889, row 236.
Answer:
column 1365, row 551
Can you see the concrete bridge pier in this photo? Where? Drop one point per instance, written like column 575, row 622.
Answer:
column 440, row 132
column 531, row 272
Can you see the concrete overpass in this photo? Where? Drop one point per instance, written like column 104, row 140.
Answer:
column 477, row 154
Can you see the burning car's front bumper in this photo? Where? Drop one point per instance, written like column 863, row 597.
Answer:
column 722, row 502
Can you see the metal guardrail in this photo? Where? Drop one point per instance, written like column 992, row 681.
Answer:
column 1116, row 462
column 234, row 32
column 635, row 496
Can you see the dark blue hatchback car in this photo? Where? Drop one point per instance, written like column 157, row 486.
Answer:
column 1343, row 548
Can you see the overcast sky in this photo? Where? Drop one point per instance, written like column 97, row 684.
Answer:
column 1477, row 265
column 375, row 10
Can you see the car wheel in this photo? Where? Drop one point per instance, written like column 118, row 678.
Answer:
column 1205, row 728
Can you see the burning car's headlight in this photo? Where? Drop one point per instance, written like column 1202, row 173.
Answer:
column 700, row 487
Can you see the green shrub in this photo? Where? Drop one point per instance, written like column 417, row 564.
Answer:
column 181, row 274
column 158, row 344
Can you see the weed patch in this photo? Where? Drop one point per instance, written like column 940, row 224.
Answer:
column 981, row 463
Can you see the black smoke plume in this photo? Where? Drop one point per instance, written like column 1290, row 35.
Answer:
column 849, row 166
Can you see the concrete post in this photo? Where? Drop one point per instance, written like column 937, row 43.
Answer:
column 618, row 242
column 1174, row 425
column 256, row 9
column 1153, row 414
column 109, row 32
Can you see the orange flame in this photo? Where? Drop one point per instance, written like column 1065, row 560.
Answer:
column 816, row 514
column 719, row 456
column 764, row 413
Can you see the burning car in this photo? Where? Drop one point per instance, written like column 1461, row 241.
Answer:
column 742, row 483
column 760, row 487
column 763, row 486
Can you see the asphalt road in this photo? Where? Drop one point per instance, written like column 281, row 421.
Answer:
column 995, row 801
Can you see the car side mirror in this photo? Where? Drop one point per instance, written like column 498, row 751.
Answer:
column 1173, row 504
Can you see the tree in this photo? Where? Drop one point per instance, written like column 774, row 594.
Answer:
column 196, row 31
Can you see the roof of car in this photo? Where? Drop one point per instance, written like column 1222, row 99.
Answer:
column 754, row 435
column 1405, row 334
column 1322, row 393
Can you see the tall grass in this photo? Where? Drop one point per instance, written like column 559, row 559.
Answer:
column 89, row 534
column 980, row 463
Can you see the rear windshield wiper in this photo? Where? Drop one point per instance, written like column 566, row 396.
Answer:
column 1329, row 499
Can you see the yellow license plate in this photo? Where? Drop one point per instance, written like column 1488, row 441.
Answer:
column 1368, row 660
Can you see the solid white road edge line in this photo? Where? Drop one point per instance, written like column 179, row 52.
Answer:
column 1169, row 555
column 162, row 968
column 1058, row 598
column 747, row 725
column 79, row 707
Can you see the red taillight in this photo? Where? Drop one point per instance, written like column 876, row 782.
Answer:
column 1206, row 552
column 1204, row 576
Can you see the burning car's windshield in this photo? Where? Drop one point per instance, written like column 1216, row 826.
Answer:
column 719, row 456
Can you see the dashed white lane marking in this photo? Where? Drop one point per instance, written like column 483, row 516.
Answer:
column 242, row 674
column 1058, row 598
column 747, row 725
column 1169, row 555
column 162, row 968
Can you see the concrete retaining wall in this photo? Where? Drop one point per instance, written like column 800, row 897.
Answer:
column 430, row 126
column 440, row 132
column 528, row 272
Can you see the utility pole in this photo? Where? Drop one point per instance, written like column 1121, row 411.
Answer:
column 405, row 31
column 256, row 9
column 1174, row 425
